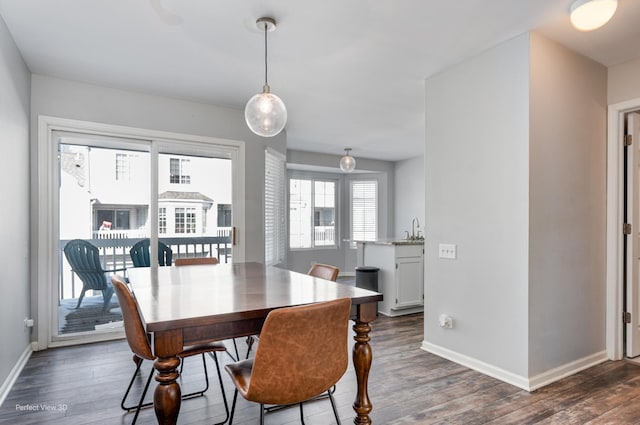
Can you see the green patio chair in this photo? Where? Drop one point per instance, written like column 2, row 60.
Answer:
column 141, row 257
column 84, row 259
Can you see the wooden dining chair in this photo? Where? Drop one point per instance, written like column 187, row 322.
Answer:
column 138, row 341
column 195, row 261
column 302, row 353
column 324, row 271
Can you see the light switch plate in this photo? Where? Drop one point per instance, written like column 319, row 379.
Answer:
column 447, row 250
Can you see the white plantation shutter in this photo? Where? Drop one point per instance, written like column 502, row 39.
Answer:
column 274, row 207
column 364, row 210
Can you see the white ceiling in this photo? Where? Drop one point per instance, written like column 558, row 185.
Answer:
column 350, row 72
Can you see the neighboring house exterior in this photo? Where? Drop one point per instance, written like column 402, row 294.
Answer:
column 104, row 193
column 181, row 213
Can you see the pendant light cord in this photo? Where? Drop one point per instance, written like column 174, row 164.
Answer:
column 266, row 82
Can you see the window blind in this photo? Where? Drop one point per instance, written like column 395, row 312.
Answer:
column 364, row 210
column 274, row 207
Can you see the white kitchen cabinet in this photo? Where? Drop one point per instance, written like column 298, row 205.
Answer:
column 401, row 276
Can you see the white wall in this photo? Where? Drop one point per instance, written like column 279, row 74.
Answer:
column 567, row 212
column 408, row 195
column 78, row 101
column 515, row 176
column 476, row 183
column 623, row 82
column 14, row 162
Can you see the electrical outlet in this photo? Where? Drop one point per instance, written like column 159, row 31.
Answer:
column 447, row 250
column 445, row 321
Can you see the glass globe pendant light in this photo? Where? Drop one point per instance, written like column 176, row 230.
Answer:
column 265, row 112
column 347, row 162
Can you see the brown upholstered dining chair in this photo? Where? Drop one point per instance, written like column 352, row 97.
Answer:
column 138, row 341
column 195, row 261
column 324, row 271
column 302, row 353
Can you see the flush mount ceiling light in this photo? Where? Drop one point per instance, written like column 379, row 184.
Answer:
column 265, row 112
column 587, row 15
column 347, row 162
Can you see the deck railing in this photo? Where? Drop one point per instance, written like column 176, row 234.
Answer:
column 114, row 254
column 324, row 235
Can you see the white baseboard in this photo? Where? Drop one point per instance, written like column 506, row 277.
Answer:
column 528, row 384
column 563, row 371
column 477, row 365
column 15, row 372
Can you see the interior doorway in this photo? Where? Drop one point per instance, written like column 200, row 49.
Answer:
column 631, row 257
column 616, row 295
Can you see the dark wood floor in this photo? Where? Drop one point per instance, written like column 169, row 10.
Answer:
column 83, row 385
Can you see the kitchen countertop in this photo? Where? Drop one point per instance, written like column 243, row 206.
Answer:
column 394, row 241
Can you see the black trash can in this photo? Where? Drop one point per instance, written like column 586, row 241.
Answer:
column 367, row 277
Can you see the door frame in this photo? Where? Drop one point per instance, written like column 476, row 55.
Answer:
column 44, row 233
column 615, row 221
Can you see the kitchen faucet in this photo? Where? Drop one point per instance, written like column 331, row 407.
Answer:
column 414, row 221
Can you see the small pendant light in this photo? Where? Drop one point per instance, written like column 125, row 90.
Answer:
column 265, row 112
column 347, row 162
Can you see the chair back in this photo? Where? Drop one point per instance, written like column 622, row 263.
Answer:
column 324, row 271
column 195, row 261
column 140, row 256
column 133, row 328
column 303, row 351
column 84, row 259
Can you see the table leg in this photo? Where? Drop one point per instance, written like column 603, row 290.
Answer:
column 167, row 396
column 362, row 357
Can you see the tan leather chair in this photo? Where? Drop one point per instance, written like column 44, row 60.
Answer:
column 138, row 341
column 195, row 261
column 324, row 271
column 302, row 353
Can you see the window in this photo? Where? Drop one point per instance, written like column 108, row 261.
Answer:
column 364, row 210
column 123, row 167
column 274, row 207
column 312, row 212
column 185, row 220
column 162, row 220
column 112, row 220
column 224, row 215
column 324, row 210
column 179, row 220
column 178, row 171
column 191, row 220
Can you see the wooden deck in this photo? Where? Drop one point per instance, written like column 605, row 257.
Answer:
column 83, row 384
column 88, row 316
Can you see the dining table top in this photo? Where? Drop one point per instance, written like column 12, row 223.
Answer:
column 170, row 297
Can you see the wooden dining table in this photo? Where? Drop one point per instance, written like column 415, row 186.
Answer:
column 189, row 305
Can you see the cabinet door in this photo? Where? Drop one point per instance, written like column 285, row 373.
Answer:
column 409, row 282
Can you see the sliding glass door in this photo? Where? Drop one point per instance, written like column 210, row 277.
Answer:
column 119, row 195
